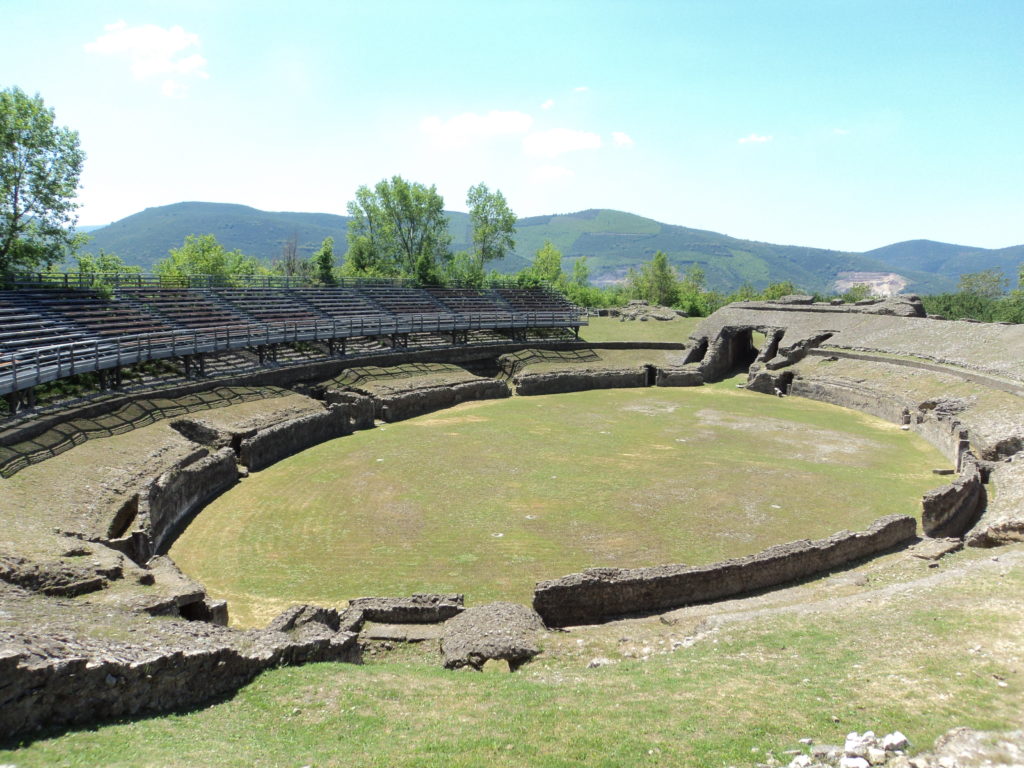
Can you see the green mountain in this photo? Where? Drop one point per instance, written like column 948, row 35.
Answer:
column 951, row 260
column 612, row 242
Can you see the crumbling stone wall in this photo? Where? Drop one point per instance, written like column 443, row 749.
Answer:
column 279, row 441
column 557, row 382
column 954, row 508
column 175, row 497
column 406, row 405
column 600, row 594
column 47, row 683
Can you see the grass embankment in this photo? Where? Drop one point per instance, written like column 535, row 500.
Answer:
column 920, row 659
column 600, row 329
column 490, row 497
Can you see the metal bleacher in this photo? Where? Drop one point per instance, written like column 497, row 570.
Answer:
column 53, row 330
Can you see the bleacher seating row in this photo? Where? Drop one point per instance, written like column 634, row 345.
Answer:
column 41, row 317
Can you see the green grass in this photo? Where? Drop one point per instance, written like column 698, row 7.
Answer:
column 759, row 684
column 490, row 497
column 600, row 329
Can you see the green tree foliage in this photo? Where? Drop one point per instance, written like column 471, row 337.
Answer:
column 465, row 269
column 103, row 263
column 203, row 255
column 494, row 225
column 858, row 292
column 396, row 229
column 323, row 262
column 578, row 288
column 290, row 264
column 40, row 164
column 102, row 271
column 546, row 268
column 657, row 281
column 778, row 290
column 988, row 284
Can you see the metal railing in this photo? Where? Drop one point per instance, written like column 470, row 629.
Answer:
column 22, row 369
column 86, row 280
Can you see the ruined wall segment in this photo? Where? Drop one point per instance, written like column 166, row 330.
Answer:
column 600, row 594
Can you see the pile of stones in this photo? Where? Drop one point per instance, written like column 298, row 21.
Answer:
column 641, row 310
column 958, row 748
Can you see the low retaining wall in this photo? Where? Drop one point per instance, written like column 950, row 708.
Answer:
column 174, row 498
column 361, row 408
column 558, row 382
column 679, row 377
column 416, row 402
column 282, row 440
column 953, row 509
column 600, row 594
column 70, row 691
column 421, row 608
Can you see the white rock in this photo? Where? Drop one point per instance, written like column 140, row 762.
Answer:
column 876, row 756
column 807, row 741
column 600, row 661
column 854, row 762
column 894, row 741
column 800, row 761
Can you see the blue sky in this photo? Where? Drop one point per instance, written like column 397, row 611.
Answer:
column 846, row 124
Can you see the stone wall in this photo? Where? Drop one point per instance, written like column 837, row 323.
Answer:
column 174, row 498
column 405, row 405
column 557, row 382
column 953, row 509
column 129, row 681
column 601, row 594
column 361, row 408
column 279, row 441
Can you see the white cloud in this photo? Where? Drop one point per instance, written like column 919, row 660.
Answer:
column 622, row 139
column 547, row 173
column 548, row 104
column 754, row 139
column 581, row 89
column 558, row 141
column 153, row 51
column 460, row 130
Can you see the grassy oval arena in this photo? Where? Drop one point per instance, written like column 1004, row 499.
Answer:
column 489, row 497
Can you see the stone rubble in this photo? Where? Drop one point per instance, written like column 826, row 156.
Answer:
column 958, row 748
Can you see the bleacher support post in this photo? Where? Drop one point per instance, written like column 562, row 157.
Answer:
column 21, row 399
column 400, row 340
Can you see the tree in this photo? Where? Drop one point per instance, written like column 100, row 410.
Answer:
column 323, row 262
column 494, row 225
column 203, row 255
column 103, row 264
column 103, row 271
column 857, row 292
column 778, row 290
column 397, row 225
column 657, row 281
column 546, row 267
column 465, row 269
column 40, row 164
column 290, row 264
column 988, row 284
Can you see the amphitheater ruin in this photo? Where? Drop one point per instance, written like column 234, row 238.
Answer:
column 98, row 622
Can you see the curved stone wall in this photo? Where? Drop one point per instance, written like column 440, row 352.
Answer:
column 601, row 594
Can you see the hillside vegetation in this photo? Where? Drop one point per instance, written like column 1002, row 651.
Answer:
column 612, row 241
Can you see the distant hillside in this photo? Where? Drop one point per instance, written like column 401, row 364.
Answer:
column 612, row 241
column 950, row 260
column 147, row 236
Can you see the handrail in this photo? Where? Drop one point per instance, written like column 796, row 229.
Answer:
column 21, row 369
column 85, row 280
